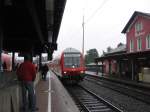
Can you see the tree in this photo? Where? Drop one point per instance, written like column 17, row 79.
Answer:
column 91, row 55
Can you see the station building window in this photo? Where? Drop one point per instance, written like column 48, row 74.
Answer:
column 148, row 42
column 131, row 45
column 139, row 44
column 138, row 27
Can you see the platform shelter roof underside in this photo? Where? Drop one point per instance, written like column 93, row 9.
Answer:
column 30, row 24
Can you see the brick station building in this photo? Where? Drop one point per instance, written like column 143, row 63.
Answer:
column 133, row 60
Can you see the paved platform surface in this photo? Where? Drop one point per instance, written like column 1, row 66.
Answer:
column 42, row 95
column 60, row 98
column 53, row 97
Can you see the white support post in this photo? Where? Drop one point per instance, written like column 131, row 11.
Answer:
column 1, row 45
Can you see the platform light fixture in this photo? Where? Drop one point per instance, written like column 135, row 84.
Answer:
column 8, row 2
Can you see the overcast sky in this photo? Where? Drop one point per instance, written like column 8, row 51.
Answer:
column 104, row 21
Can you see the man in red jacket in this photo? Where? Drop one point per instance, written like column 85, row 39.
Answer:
column 26, row 74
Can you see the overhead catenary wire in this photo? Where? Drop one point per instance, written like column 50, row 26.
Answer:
column 102, row 4
column 92, row 15
column 83, row 23
column 96, row 11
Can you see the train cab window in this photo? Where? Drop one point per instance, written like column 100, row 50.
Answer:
column 72, row 60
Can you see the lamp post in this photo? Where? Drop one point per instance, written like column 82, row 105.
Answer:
column 1, row 45
column 83, row 37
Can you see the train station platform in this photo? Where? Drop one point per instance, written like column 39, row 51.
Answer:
column 51, row 96
column 121, row 80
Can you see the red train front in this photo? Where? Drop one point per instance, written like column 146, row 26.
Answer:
column 70, row 65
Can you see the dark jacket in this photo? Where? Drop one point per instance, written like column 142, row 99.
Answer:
column 45, row 68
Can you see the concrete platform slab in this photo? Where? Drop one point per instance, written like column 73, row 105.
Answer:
column 52, row 96
column 60, row 98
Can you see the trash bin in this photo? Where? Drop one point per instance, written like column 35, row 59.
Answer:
column 146, row 74
column 140, row 77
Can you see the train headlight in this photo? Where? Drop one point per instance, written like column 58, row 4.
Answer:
column 65, row 72
column 81, row 71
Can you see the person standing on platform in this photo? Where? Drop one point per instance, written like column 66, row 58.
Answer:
column 44, row 71
column 26, row 74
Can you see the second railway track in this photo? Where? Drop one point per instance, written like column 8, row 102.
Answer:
column 122, row 88
column 88, row 101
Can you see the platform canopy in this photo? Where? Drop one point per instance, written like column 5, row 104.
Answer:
column 30, row 25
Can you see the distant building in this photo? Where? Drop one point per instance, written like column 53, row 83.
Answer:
column 134, row 58
column 6, row 62
column 137, row 32
column 110, row 65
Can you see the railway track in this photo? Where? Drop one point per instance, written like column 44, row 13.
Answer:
column 88, row 101
column 123, row 89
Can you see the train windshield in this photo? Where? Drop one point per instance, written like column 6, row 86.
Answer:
column 72, row 60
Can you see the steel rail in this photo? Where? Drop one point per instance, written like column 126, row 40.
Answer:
column 96, row 81
column 90, row 102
